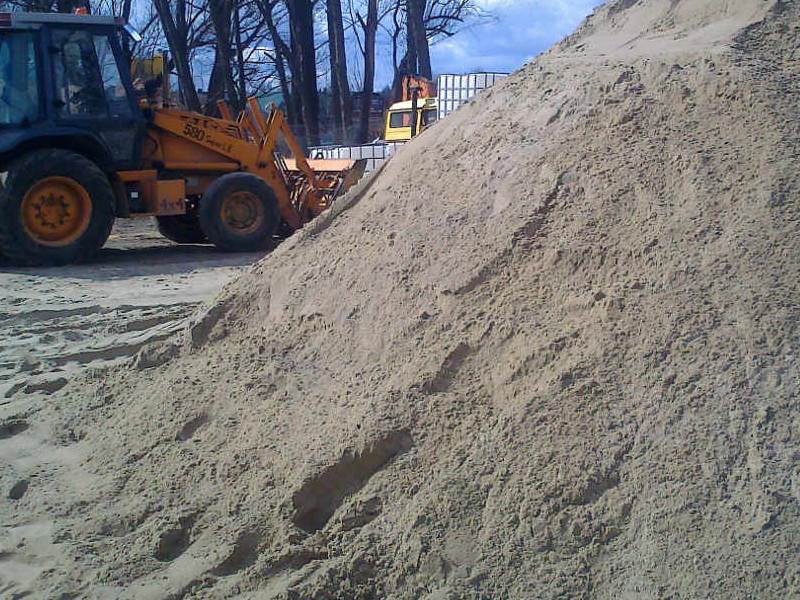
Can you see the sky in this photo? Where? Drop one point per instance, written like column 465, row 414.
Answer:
column 516, row 32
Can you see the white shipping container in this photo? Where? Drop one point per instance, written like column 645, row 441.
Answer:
column 455, row 90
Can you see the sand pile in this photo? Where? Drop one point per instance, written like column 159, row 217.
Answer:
column 550, row 351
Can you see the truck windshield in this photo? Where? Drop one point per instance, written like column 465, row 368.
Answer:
column 19, row 90
column 400, row 119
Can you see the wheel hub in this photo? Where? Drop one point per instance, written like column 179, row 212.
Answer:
column 56, row 211
column 52, row 211
column 242, row 212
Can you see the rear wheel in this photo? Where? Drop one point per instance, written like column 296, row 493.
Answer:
column 57, row 207
column 239, row 213
column 183, row 229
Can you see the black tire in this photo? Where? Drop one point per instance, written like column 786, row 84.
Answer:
column 34, row 233
column 182, row 229
column 239, row 212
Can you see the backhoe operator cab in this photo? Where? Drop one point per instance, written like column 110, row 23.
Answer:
column 69, row 120
column 60, row 79
column 78, row 148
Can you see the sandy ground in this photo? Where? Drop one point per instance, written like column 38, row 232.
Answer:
column 57, row 321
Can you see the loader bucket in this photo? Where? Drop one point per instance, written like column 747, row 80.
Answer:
column 352, row 176
column 336, row 175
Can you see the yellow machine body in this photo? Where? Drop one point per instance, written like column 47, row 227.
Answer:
column 196, row 149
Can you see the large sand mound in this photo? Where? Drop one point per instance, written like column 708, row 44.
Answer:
column 550, row 351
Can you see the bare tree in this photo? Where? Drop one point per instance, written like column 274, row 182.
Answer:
column 426, row 22
column 342, row 110
column 282, row 54
column 445, row 18
column 370, row 28
column 221, row 84
column 419, row 57
column 304, row 77
column 240, row 44
column 175, row 24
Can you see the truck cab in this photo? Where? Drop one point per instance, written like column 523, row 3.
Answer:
column 397, row 124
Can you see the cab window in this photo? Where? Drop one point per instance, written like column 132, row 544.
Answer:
column 428, row 116
column 19, row 89
column 88, row 82
column 113, row 88
column 400, row 119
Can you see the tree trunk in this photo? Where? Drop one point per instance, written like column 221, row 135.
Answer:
column 419, row 39
column 400, row 72
column 291, row 116
column 282, row 52
column 410, row 59
column 242, row 83
column 177, row 43
column 301, row 23
column 221, row 20
column 370, row 31
column 216, row 86
column 295, row 104
column 339, row 84
column 336, row 123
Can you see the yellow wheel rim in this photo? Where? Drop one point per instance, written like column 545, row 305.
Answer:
column 56, row 211
column 242, row 212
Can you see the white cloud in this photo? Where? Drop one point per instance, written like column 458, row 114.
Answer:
column 455, row 47
column 520, row 30
column 565, row 7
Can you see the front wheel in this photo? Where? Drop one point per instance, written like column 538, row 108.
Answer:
column 57, row 207
column 239, row 212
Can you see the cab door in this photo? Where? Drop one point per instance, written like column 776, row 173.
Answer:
column 93, row 94
column 398, row 126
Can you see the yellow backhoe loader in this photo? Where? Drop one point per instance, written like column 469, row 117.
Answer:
column 79, row 147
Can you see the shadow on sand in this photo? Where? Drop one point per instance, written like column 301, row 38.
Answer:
column 160, row 259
